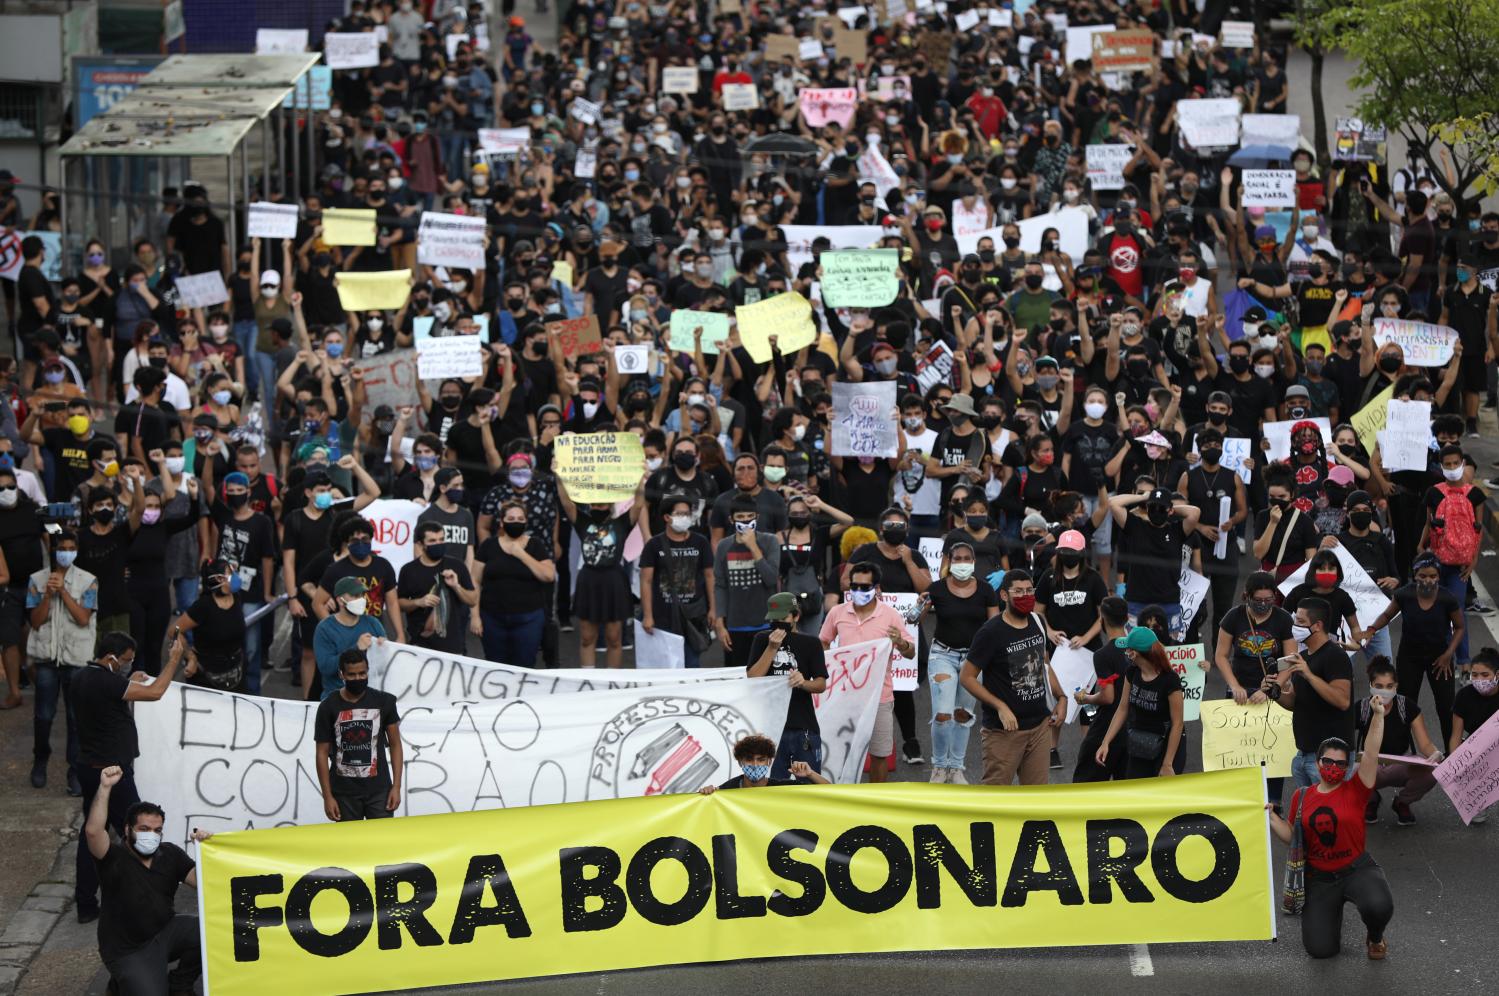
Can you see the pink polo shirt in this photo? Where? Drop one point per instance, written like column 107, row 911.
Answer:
column 843, row 624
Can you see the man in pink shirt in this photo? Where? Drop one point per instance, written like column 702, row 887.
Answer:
column 865, row 617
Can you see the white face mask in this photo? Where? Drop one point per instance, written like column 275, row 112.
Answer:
column 9, row 497
column 1309, row 232
column 1095, row 409
column 1007, row 182
column 146, row 842
column 961, row 571
column 681, row 523
column 652, row 465
column 1300, row 633
column 376, row 324
column 175, row 465
column 860, row 597
column 356, row 606
column 799, row 432
column 1262, row 370
column 1453, row 474
column 269, row 293
column 442, row 311
column 1070, row 195
column 590, row 409
column 695, row 399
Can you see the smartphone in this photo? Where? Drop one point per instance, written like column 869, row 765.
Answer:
column 1284, row 662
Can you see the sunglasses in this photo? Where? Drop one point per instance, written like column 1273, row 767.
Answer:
column 861, row 587
column 1334, row 762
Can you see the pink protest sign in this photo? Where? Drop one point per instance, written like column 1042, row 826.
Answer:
column 835, row 104
column 1470, row 777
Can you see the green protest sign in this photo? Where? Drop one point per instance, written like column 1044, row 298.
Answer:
column 683, row 322
column 859, row 278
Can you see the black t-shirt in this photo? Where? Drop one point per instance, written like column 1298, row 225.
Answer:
column 1303, row 536
column 988, row 553
column 21, row 540
column 305, row 536
column 379, row 580
column 679, row 572
column 799, row 652
column 467, row 444
column 1400, row 716
column 1071, row 604
column 200, row 244
column 1425, row 627
column 1109, row 664
column 137, row 898
column 1313, row 718
column 358, row 731
column 418, row 579
column 1150, row 701
column 1250, row 399
column 1091, row 447
column 1255, row 646
column 1340, row 601
column 150, row 423
column 894, row 575
column 246, row 544
column 1474, row 709
column 104, row 558
column 1012, row 664
column 701, row 490
column 70, row 461
column 959, row 617
column 106, row 730
column 30, row 285
column 1151, row 557
column 507, row 585
column 218, row 633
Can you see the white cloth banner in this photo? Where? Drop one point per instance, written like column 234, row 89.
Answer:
column 449, row 356
column 1209, row 123
column 272, row 221
column 394, row 520
column 450, row 240
column 1270, row 129
column 202, row 290
column 969, row 221
column 1071, row 225
column 1369, row 599
column 351, row 50
column 873, row 166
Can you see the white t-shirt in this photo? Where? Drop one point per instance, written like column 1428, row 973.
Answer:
column 927, row 498
column 176, row 393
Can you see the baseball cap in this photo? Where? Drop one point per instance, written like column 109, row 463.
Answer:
column 349, row 586
column 1071, row 540
column 1160, row 496
column 1340, row 475
column 1297, row 391
column 1140, row 639
column 270, row 277
column 780, row 606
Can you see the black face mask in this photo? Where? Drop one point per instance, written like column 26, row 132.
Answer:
column 893, row 535
column 1069, row 558
column 1211, row 456
column 451, row 402
column 1348, row 450
column 1139, row 368
column 237, row 501
column 356, row 686
column 1157, row 515
column 1218, row 418
column 515, row 530
column 684, row 460
column 1389, row 364
column 1033, row 281
column 104, row 516
column 1361, row 519
column 799, row 521
column 1238, row 363
column 159, row 362
column 1012, row 242
column 976, row 522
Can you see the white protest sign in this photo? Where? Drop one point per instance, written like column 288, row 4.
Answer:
column 740, row 97
column 863, row 425
column 967, row 20
column 872, row 166
column 1209, row 123
column 1270, row 129
column 586, row 111
column 272, row 221
column 903, row 672
column 352, row 50
column 930, row 548
column 393, row 519
column 1071, row 225
column 1278, row 435
column 280, row 41
column 1369, row 599
column 450, row 240
column 1074, row 671
column 659, row 650
column 1405, row 441
column 1235, row 454
column 586, row 163
column 847, row 707
column 935, row 367
column 504, row 141
column 221, row 761
column 1270, row 188
column 1187, row 661
column 809, row 49
column 1194, row 591
column 799, row 239
column 1079, row 44
column 1237, row 34
column 1106, row 165
column 632, row 359
column 202, row 290
column 1424, row 344
column 449, row 356
column 679, row 79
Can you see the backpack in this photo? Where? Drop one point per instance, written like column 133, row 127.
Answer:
column 1454, row 530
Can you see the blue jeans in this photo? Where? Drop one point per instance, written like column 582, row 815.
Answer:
column 245, row 334
column 50, row 680
column 184, row 593
column 254, row 649
column 1379, row 646
column 797, row 745
column 1451, row 579
column 514, row 637
column 949, row 737
column 264, row 365
column 454, row 151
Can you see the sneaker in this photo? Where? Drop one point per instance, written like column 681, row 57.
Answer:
column 1371, row 810
column 628, row 644
column 1492, row 482
column 939, row 776
column 1403, row 815
column 1481, row 607
column 39, row 774
column 75, row 787
column 956, row 777
column 1056, row 759
column 1240, row 542
column 1377, row 949
column 566, row 627
column 911, row 749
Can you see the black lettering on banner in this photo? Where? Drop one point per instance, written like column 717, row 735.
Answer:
column 250, row 918
column 840, row 869
column 413, row 788
column 578, row 888
column 1226, row 857
column 198, row 784
column 932, row 848
column 300, row 712
column 486, row 873
column 392, row 913
column 1041, row 837
column 728, row 903
column 699, row 881
column 299, row 912
column 466, row 719
column 1103, row 865
column 182, row 738
column 778, row 857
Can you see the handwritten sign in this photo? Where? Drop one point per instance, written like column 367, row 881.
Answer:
column 862, row 423
column 1237, row 34
column 389, row 378
column 679, row 79
column 449, row 356
column 586, row 111
column 740, row 97
column 1369, row 421
column 272, row 221
column 599, row 466
column 1270, row 188
column 935, row 367
column 930, row 548
column 1194, row 591
column 504, row 141
column 450, row 240
column 1424, row 344
column 1074, row 671
column 202, row 290
column 1186, row 661
column 1236, row 454
column 779, row 47
column 1470, row 777
column 385, row 291
column 576, row 336
column 1278, row 435
column 1125, row 51
column 349, row 226
column 1209, row 122
column 787, row 316
column 1106, row 165
column 903, row 670
column 820, row 105
column 1246, row 736
column 351, row 50
column 860, row 278
column 1405, row 442
column 685, row 322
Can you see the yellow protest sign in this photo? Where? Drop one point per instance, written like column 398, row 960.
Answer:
column 786, row 316
column 1371, row 418
column 1245, row 736
column 599, row 466
column 562, row 271
column 530, row 891
column 349, row 226
column 373, row 291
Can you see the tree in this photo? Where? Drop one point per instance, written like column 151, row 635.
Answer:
column 1427, row 69
column 1313, row 34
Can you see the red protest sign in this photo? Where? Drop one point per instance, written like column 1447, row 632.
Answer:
column 577, row 336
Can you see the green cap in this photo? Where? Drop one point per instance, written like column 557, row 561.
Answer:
column 348, row 587
column 1140, row 639
column 779, row 606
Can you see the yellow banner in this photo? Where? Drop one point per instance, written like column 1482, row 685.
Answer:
column 786, row 316
column 1371, row 418
column 585, row 887
column 373, row 291
column 1246, row 736
column 599, row 466
column 349, row 226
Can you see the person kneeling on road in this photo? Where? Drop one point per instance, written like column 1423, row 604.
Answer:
column 755, row 754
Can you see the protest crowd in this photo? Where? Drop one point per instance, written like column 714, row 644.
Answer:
column 730, row 335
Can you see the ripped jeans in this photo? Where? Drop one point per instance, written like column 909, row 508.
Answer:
column 949, row 736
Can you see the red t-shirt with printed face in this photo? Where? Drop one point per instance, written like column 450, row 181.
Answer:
column 1332, row 824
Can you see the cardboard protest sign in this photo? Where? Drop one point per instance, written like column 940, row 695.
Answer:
column 272, row 221
column 679, row 79
column 787, row 316
column 863, row 425
column 1424, row 344
column 450, row 240
column 1123, row 51
column 684, row 322
column 351, row 50
column 1106, row 165
column 1470, row 777
column 1209, row 123
column 779, row 46
column 740, row 97
column 450, row 356
column 576, row 336
column 850, row 44
column 349, row 226
column 599, row 466
column 821, row 105
column 1269, row 188
column 202, row 290
column 1405, row 441
column 937, row 47
column 1187, row 661
column 1246, row 736
column 389, row 378
column 280, row 41
column 385, row 291
column 860, row 278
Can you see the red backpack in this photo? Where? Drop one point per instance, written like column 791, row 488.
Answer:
column 1455, row 540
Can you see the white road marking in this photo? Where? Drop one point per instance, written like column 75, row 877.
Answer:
column 1140, row 964
column 1491, row 620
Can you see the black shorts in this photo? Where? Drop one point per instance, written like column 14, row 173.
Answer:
column 12, row 616
column 1473, row 373
column 363, row 802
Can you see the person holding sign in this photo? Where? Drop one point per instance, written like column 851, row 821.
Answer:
column 1405, row 735
column 1153, row 704
column 601, row 600
column 1328, row 816
column 1476, row 705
